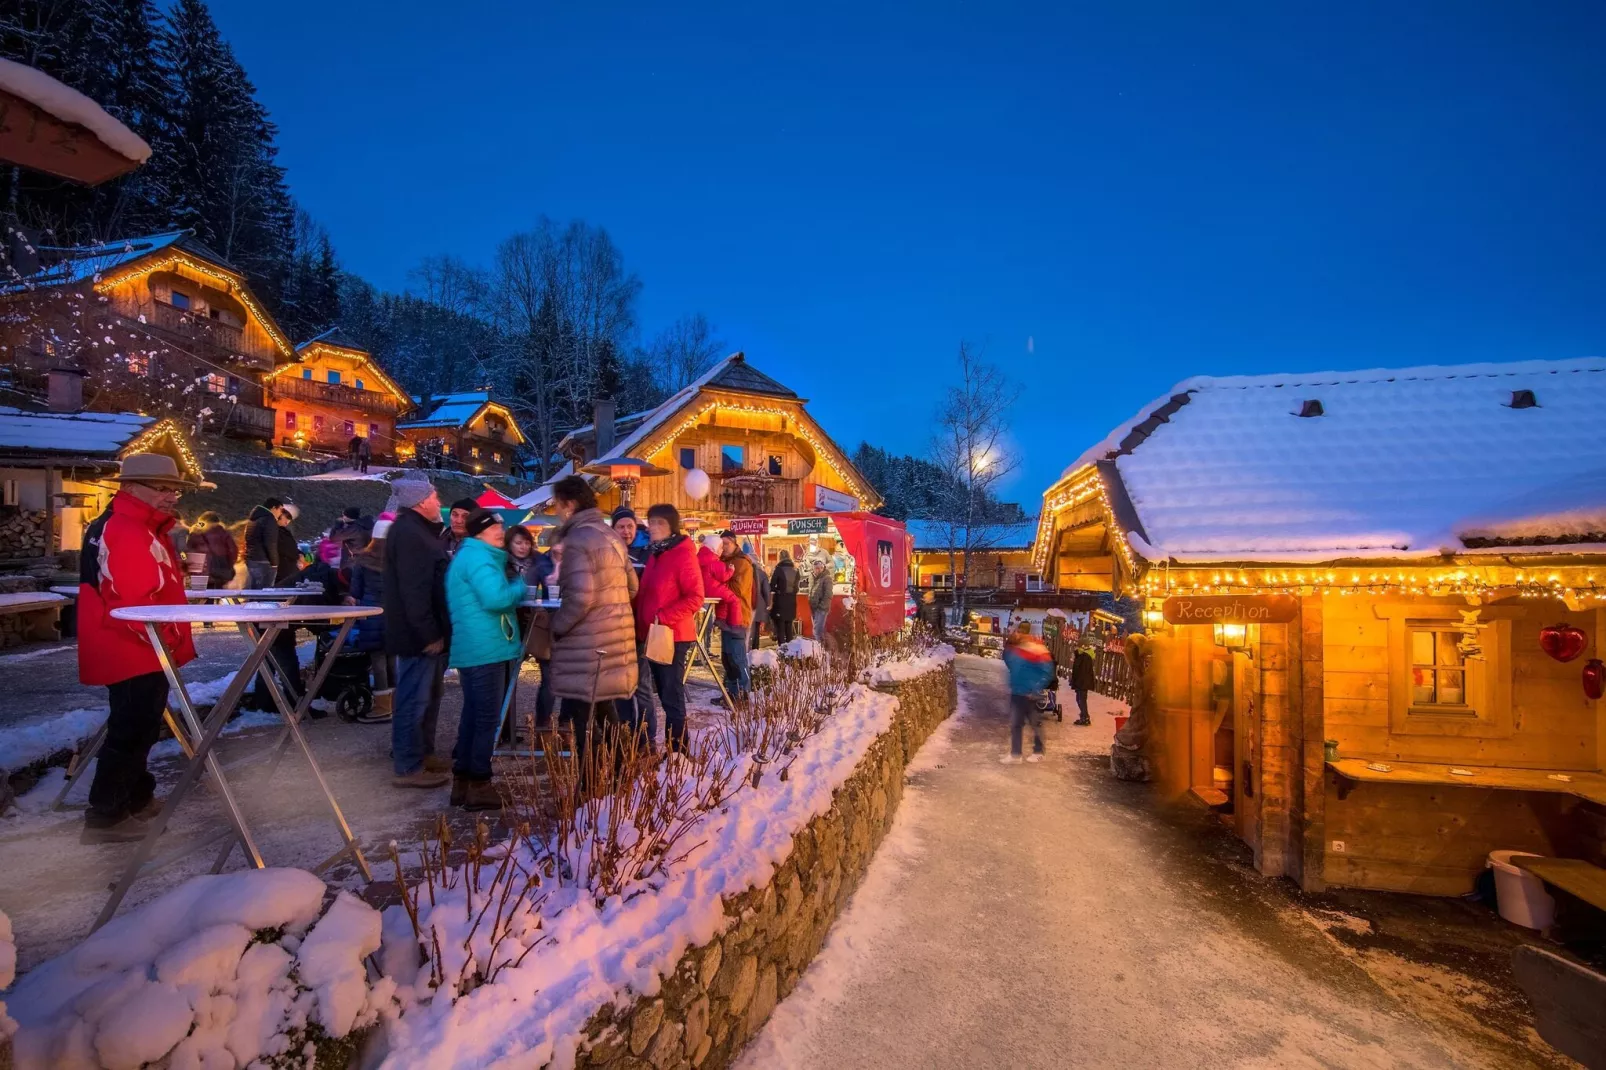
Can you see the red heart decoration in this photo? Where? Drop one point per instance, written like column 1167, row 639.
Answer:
column 1562, row 641
column 1594, row 678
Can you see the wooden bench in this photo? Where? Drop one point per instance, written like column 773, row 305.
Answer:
column 1583, row 880
column 1351, row 771
column 26, row 615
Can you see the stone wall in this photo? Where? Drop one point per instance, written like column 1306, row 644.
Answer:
column 721, row 993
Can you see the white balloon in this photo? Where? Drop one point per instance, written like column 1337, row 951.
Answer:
column 697, row 484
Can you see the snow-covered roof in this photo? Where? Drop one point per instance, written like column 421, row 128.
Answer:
column 939, row 535
column 71, row 106
column 449, row 410
column 82, row 434
column 1400, row 462
column 83, row 263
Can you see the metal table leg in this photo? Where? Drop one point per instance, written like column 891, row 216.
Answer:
column 205, row 737
column 81, row 760
column 703, row 628
column 293, row 732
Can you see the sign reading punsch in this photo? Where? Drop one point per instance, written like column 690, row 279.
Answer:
column 1230, row 609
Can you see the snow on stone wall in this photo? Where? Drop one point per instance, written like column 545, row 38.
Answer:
column 223, row 970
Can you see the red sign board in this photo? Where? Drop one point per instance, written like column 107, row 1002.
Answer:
column 1230, row 609
column 750, row 525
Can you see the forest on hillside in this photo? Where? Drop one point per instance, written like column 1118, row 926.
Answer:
column 550, row 323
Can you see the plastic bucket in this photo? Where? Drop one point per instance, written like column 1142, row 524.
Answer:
column 1521, row 895
column 1120, row 722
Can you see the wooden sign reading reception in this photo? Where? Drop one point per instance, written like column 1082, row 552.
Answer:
column 1230, row 609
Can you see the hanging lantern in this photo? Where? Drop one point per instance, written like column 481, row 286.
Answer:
column 697, row 484
column 1594, row 678
column 1562, row 641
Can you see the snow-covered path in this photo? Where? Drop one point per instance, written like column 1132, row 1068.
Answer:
column 1047, row 916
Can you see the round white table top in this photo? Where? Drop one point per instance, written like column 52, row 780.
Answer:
column 212, row 594
column 257, row 613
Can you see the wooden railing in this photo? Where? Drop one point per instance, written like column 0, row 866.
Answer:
column 289, row 385
column 240, row 419
column 758, row 494
column 215, row 333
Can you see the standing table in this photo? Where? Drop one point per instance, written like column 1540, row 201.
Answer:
column 261, row 623
column 704, row 625
column 80, row 761
column 512, row 750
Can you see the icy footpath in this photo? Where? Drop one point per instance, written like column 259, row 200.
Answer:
column 221, row 971
column 534, row 1013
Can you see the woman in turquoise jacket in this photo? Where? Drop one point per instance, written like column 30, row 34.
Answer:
column 482, row 599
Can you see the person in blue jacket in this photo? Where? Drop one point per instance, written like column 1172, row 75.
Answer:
column 1031, row 668
column 482, row 599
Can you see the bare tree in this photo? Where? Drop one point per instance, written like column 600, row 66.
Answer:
column 683, row 351
column 970, row 448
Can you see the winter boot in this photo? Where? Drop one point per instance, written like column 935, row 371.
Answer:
column 1083, row 720
column 459, row 789
column 482, row 795
column 383, row 708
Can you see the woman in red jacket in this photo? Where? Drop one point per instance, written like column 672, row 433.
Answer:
column 129, row 560
column 670, row 594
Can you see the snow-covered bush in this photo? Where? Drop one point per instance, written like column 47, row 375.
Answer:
column 232, row 970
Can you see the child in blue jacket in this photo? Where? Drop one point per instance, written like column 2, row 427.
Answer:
column 1031, row 668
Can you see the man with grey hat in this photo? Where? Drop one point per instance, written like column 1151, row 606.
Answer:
column 133, row 564
column 417, row 630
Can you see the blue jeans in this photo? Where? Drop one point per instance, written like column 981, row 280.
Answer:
column 819, row 624
column 670, row 682
column 416, row 706
column 733, row 655
column 1022, row 708
column 484, row 688
column 637, row 710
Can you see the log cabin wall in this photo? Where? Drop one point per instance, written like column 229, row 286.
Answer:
column 1434, row 839
column 151, row 296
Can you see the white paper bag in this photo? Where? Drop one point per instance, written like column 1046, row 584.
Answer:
column 661, row 643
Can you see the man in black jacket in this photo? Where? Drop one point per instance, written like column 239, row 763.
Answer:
column 262, row 544
column 417, row 631
column 783, row 599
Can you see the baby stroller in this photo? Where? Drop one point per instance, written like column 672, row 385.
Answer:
column 347, row 683
column 1048, row 699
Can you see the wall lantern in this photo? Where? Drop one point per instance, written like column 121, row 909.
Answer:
column 1230, row 636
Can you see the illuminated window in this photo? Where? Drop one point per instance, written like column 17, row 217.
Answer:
column 139, row 364
column 1447, row 678
column 497, row 457
column 289, row 420
column 474, row 451
column 373, row 430
column 217, row 384
column 317, row 425
column 1438, row 668
column 348, row 429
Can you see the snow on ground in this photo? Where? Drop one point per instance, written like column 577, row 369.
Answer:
column 340, row 474
column 534, row 1014
column 1040, row 916
column 38, row 652
column 898, row 672
column 222, row 970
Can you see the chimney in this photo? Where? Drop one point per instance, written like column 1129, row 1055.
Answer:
column 66, row 386
column 602, row 426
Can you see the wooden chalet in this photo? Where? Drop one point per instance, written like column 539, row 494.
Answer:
column 333, row 392
column 763, row 452
column 186, row 335
column 1375, row 609
column 462, row 432
column 1000, row 558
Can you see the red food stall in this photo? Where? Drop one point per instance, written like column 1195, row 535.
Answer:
column 866, row 556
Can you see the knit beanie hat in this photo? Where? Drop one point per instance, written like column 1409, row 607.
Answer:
column 467, row 504
column 407, row 493
column 622, row 512
column 479, row 520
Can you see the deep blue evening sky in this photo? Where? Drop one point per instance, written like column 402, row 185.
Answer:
column 848, row 191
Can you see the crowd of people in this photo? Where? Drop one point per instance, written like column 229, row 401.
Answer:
column 610, row 608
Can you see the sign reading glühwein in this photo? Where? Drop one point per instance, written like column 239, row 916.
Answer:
column 1230, row 609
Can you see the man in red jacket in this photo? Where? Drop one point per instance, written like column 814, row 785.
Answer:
column 130, row 561
column 671, row 593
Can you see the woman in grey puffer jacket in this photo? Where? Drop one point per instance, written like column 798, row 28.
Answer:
column 594, row 630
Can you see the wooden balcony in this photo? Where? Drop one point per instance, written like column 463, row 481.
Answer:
column 291, row 386
column 221, row 338
column 240, row 420
column 744, row 493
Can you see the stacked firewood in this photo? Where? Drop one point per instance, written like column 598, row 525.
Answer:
column 22, row 533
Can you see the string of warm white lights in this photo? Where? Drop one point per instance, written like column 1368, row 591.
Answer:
column 234, row 285
column 150, row 438
column 822, row 450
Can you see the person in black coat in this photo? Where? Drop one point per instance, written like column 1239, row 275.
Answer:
column 417, row 630
column 262, row 544
column 783, row 599
column 1082, row 680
